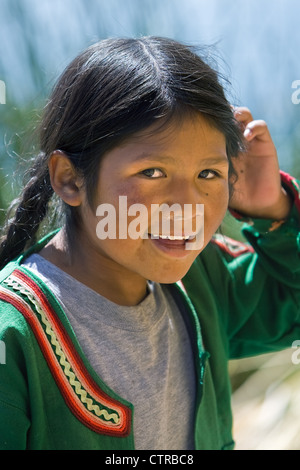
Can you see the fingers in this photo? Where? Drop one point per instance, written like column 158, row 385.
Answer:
column 257, row 129
column 242, row 115
column 251, row 128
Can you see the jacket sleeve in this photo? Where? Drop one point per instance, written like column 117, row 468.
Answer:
column 257, row 284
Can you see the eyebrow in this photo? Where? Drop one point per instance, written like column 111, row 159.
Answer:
column 213, row 160
column 220, row 159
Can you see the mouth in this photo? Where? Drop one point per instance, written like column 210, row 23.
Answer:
column 173, row 245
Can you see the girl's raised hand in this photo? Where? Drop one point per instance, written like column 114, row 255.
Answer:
column 257, row 191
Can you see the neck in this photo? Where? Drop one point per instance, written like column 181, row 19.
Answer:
column 96, row 271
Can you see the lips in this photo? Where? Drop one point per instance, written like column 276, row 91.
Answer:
column 174, row 246
column 171, row 243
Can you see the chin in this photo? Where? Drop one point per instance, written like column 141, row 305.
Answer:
column 169, row 278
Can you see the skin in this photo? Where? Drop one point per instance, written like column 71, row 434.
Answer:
column 184, row 164
column 258, row 192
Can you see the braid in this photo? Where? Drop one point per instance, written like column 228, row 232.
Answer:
column 31, row 210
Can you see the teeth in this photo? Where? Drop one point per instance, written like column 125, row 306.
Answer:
column 170, row 237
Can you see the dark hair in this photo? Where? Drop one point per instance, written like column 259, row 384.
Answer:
column 112, row 90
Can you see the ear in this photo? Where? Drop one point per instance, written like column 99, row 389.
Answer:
column 64, row 179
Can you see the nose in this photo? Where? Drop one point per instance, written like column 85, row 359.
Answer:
column 182, row 211
column 184, row 192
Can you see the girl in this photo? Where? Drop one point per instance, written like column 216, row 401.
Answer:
column 122, row 342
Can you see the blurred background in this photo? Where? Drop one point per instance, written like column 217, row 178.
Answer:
column 257, row 46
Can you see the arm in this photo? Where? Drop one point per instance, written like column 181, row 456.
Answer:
column 260, row 286
column 263, row 294
column 249, row 294
column 269, row 202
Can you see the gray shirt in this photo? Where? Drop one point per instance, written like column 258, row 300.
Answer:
column 143, row 353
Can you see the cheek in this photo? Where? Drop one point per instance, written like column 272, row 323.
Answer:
column 133, row 207
column 215, row 205
column 125, row 221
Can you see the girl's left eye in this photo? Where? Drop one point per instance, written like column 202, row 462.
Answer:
column 153, row 173
column 208, row 174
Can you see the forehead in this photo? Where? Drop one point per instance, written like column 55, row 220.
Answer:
column 194, row 133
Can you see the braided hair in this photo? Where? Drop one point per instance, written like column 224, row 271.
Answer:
column 30, row 211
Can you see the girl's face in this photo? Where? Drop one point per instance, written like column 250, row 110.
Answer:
column 182, row 164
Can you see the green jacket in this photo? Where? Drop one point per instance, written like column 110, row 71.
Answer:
column 237, row 300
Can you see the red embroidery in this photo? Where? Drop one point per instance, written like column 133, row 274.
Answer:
column 87, row 401
column 293, row 186
column 233, row 247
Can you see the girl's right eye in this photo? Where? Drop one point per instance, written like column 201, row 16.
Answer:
column 153, row 173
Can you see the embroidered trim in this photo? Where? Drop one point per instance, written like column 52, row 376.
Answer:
column 293, row 185
column 93, row 407
column 231, row 246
